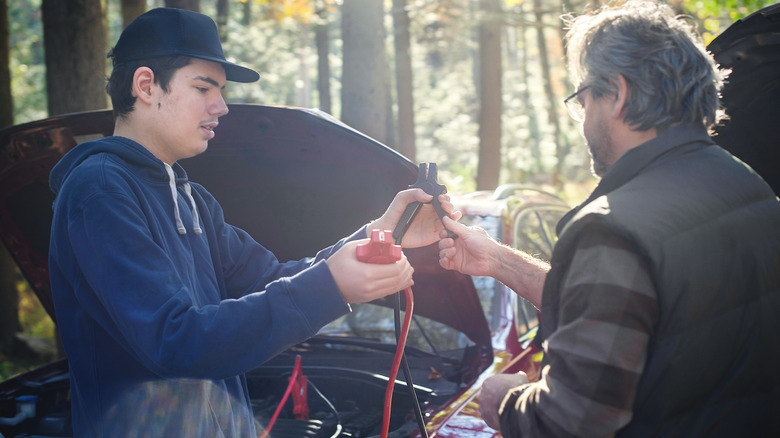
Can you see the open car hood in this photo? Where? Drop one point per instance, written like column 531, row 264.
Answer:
column 297, row 180
column 751, row 49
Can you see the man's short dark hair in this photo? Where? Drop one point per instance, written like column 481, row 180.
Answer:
column 119, row 86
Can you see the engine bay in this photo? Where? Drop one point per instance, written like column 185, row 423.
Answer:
column 347, row 377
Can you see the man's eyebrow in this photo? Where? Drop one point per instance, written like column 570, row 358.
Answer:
column 209, row 80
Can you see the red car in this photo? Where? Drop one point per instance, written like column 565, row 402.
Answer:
column 298, row 180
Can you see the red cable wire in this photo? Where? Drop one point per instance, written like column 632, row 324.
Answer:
column 397, row 360
column 293, row 379
column 390, row 384
column 374, row 252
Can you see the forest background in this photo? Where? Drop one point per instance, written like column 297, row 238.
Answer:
column 473, row 85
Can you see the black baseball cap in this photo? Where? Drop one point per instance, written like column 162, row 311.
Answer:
column 176, row 32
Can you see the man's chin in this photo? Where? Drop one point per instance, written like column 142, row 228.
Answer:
column 197, row 150
column 598, row 168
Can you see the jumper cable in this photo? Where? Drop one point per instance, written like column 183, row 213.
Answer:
column 297, row 384
column 426, row 180
column 380, row 250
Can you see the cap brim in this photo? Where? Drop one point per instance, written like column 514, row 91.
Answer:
column 233, row 72
column 237, row 73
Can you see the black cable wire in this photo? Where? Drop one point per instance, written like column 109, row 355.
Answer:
column 426, row 180
column 332, row 408
column 408, row 372
column 425, row 336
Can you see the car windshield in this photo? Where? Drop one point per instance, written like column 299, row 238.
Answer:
column 371, row 321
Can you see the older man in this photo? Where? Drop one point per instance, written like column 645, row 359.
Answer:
column 661, row 306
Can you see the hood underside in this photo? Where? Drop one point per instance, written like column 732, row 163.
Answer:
column 296, row 180
column 751, row 49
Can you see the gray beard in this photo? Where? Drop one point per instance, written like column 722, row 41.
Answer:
column 598, row 167
column 599, row 148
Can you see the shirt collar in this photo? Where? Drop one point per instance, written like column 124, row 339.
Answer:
column 638, row 158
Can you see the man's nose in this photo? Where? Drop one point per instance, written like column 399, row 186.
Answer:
column 219, row 108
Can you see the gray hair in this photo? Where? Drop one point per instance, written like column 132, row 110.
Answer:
column 671, row 77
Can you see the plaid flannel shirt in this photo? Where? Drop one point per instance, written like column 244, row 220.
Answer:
column 608, row 308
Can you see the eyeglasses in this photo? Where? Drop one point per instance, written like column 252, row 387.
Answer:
column 574, row 105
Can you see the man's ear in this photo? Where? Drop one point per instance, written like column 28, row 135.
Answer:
column 621, row 96
column 143, row 82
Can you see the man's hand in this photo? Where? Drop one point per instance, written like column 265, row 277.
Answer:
column 470, row 254
column 426, row 226
column 363, row 282
column 493, row 392
column 474, row 252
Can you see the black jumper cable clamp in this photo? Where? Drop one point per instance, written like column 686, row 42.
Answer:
column 426, row 180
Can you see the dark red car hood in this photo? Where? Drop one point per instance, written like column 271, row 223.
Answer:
column 296, row 180
column 751, row 49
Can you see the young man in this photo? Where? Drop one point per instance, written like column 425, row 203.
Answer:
column 661, row 306
column 162, row 306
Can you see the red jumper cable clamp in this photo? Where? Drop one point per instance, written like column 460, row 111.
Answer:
column 380, row 250
column 300, row 395
column 298, row 387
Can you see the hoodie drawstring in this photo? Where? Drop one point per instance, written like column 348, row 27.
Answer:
column 195, row 220
column 175, row 195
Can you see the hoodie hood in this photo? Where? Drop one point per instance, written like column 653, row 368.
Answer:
column 128, row 150
column 145, row 164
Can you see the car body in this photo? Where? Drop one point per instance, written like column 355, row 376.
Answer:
column 750, row 49
column 297, row 180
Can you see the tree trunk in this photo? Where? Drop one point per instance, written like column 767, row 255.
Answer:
column 246, row 16
column 304, row 90
column 6, row 98
column 490, row 72
column 404, row 81
column 223, row 9
column 75, row 44
column 193, row 5
column 552, row 112
column 365, row 94
column 322, row 40
column 132, row 9
column 535, row 133
column 9, row 295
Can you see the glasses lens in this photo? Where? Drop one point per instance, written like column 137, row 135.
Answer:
column 574, row 105
column 576, row 111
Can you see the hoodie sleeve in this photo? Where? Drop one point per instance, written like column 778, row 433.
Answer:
column 135, row 289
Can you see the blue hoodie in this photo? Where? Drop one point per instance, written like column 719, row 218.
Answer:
column 161, row 305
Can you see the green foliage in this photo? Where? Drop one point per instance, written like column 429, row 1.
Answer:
column 717, row 15
column 730, row 9
column 28, row 71
column 10, row 367
column 32, row 316
column 273, row 49
column 36, row 324
column 276, row 38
